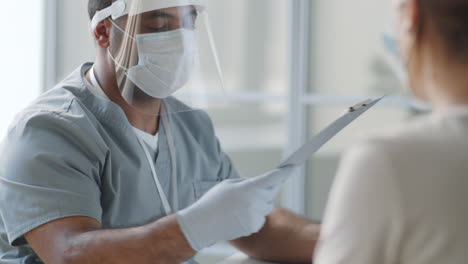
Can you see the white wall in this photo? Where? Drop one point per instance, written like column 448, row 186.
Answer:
column 21, row 54
column 74, row 44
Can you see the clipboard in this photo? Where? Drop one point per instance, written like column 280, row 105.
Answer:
column 300, row 156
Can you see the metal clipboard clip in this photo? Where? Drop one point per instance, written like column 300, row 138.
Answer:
column 360, row 105
column 303, row 153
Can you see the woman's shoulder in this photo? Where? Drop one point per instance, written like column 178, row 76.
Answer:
column 414, row 134
column 393, row 151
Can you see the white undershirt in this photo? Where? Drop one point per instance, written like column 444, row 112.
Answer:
column 150, row 140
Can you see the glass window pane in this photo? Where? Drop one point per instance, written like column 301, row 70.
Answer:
column 252, row 42
column 347, row 53
column 252, row 135
column 252, row 39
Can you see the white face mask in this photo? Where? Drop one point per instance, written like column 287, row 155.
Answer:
column 165, row 62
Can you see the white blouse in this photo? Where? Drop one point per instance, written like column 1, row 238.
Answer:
column 402, row 198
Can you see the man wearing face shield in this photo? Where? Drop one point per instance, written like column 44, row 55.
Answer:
column 120, row 164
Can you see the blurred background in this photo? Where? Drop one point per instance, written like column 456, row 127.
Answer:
column 291, row 67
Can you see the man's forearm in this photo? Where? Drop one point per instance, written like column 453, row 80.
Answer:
column 158, row 242
column 285, row 237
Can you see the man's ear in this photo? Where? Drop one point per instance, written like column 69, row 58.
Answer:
column 102, row 33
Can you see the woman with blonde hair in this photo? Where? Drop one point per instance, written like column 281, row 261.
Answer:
column 402, row 197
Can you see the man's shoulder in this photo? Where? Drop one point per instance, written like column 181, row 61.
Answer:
column 56, row 104
column 58, row 108
column 44, row 126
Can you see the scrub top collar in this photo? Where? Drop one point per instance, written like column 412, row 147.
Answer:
column 105, row 110
column 95, row 88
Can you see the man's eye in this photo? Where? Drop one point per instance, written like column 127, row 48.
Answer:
column 159, row 24
column 159, row 28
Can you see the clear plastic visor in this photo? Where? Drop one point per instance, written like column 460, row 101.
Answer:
column 166, row 57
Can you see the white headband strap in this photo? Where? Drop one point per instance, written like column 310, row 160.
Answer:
column 115, row 10
column 120, row 8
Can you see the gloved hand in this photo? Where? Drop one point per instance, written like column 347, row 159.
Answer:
column 232, row 209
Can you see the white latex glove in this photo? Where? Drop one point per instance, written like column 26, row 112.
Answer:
column 232, row 209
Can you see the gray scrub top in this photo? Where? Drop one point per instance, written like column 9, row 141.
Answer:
column 71, row 153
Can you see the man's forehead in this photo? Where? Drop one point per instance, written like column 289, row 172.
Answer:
column 179, row 11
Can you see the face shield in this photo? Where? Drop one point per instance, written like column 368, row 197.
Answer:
column 163, row 50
